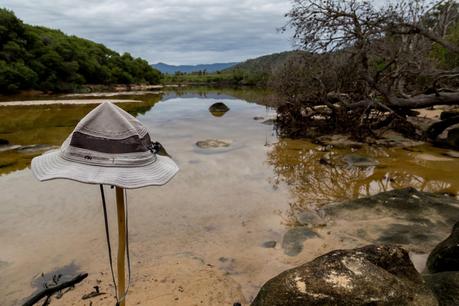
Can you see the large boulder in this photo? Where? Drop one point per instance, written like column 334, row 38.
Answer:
column 445, row 286
column 445, row 256
column 375, row 274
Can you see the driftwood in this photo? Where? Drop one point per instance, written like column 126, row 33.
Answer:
column 50, row 291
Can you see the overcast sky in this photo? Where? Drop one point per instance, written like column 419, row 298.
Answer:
column 171, row 31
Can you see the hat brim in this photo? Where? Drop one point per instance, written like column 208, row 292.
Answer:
column 51, row 166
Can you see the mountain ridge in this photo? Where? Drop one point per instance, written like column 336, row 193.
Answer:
column 171, row 69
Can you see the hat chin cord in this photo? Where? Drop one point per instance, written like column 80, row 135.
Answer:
column 119, row 299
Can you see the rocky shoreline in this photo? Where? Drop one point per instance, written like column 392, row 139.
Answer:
column 381, row 273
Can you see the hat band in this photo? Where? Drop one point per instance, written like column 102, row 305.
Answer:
column 113, row 146
column 113, row 160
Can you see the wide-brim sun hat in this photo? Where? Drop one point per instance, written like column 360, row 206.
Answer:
column 108, row 146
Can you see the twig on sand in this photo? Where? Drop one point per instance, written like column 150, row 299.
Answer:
column 92, row 294
column 51, row 290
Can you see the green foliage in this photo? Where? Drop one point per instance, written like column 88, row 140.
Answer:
column 33, row 57
column 446, row 58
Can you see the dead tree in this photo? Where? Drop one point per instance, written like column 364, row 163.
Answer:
column 365, row 67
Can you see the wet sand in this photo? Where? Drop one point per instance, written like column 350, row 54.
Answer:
column 199, row 239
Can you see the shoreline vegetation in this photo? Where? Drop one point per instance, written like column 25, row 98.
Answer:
column 39, row 58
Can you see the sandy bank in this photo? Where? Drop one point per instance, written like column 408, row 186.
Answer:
column 76, row 102
column 113, row 94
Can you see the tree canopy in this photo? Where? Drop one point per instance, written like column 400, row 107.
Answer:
column 34, row 57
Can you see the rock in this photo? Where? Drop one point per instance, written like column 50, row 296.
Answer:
column 293, row 239
column 218, row 109
column 258, row 118
column 417, row 220
column 452, row 154
column 445, row 256
column 9, row 148
column 445, row 286
column 355, row 160
column 310, row 219
column 338, row 141
column 213, row 143
column 372, row 275
column 4, row 142
column 3, row 264
column 453, row 138
column 269, row 121
column 394, row 139
column 269, row 244
column 448, row 114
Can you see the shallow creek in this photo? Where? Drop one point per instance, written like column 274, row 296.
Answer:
column 215, row 233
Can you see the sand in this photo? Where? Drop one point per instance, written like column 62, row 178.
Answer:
column 76, row 102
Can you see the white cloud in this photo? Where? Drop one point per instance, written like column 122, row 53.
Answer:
column 172, row 31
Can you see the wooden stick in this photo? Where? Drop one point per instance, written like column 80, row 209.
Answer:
column 121, row 242
column 50, row 291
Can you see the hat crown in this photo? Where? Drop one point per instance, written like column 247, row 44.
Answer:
column 109, row 136
column 111, row 122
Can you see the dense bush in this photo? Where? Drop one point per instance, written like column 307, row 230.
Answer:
column 33, row 57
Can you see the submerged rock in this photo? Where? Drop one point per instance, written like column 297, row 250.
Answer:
column 445, row 256
column 292, row 243
column 310, row 219
column 417, row 220
column 355, row 160
column 218, row 109
column 445, row 286
column 269, row 244
column 269, row 121
column 213, row 143
column 375, row 274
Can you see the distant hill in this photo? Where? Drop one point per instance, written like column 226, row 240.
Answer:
column 34, row 57
column 171, row 69
column 263, row 64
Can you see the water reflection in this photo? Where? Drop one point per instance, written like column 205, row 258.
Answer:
column 316, row 176
column 28, row 131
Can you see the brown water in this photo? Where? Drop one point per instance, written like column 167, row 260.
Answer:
column 199, row 239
